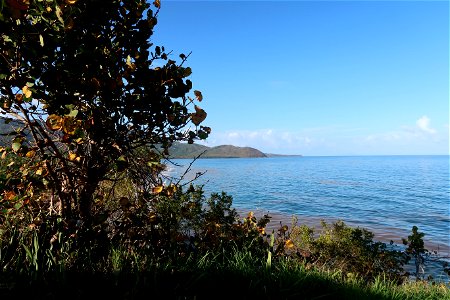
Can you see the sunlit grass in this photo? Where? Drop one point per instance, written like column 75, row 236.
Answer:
column 234, row 274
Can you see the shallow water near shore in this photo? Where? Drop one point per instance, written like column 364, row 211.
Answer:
column 384, row 194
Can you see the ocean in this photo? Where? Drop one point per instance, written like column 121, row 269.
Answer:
column 385, row 194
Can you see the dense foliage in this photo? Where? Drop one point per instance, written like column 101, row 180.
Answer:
column 95, row 106
column 91, row 91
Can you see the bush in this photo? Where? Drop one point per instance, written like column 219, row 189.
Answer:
column 351, row 250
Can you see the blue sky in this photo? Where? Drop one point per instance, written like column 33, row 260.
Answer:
column 317, row 77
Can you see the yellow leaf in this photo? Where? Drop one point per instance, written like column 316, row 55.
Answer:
column 152, row 217
column 54, row 122
column 48, row 9
column 157, row 189
column 26, row 91
column 30, row 154
column 171, row 189
column 198, row 95
column 288, row 244
column 157, row 3
column 72, row 156
column 39, row 171
column 71, row 1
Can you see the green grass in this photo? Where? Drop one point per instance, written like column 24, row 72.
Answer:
column 234, row 275
column 225, row 260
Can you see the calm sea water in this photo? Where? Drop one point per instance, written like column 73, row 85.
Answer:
column 385, row 194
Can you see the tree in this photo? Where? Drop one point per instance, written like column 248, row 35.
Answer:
column 92, row 92
column 416, row 248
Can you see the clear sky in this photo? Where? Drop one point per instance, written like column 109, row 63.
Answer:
column 317, row 77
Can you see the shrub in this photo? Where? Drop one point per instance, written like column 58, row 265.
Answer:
column 351, row 250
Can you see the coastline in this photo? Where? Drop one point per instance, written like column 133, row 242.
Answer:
column 384, row 235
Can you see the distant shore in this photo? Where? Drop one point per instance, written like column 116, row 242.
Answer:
column 282, row 155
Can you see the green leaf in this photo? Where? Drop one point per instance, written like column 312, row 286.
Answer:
column 16, row 146
column 202, row 134
column 58, row 13
column 73, row 113
column 41, row 40
column 152, row 163
column 6, row 38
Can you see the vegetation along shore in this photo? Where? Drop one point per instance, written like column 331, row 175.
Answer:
column 85, row 212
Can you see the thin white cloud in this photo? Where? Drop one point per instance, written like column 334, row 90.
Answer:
column 423, row 124
column 421, row 131
column 417, row 138
column 266, row 140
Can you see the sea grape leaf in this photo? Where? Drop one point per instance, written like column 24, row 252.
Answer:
column 199, row 115
column 30, row 154
column 187, row 71
column 198, row 95
column 16, row 146
column 157, row 189
column 54, row 122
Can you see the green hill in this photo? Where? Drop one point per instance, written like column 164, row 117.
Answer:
column 183, row 150
column 178, row 150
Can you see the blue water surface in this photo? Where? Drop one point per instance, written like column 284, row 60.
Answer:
column 386, row 194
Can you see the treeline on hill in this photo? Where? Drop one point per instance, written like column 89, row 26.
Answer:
column 192, row 151
column 85, row 211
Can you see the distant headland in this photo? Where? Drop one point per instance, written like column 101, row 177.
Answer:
column 183, row 150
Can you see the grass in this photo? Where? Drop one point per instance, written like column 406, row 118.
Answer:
column 234, row 275
column 227, row 259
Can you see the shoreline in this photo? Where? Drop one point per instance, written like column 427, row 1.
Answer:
column 384, row 235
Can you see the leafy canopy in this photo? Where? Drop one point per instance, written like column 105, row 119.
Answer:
column 91, row 91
